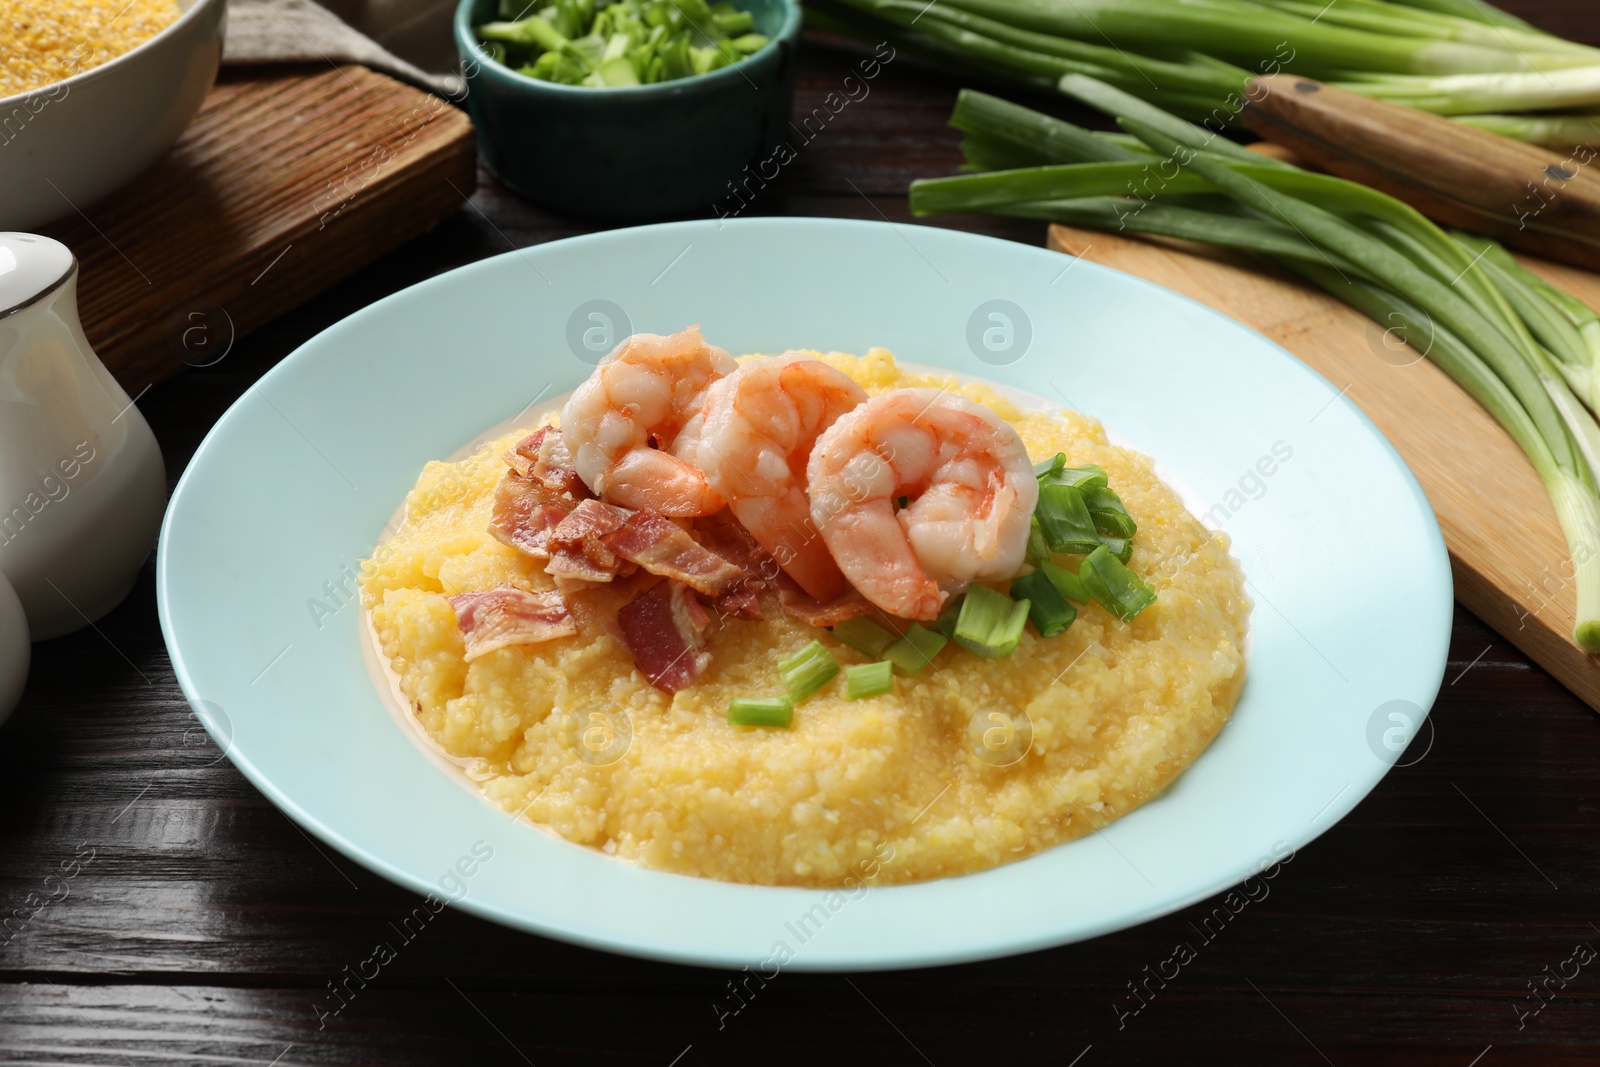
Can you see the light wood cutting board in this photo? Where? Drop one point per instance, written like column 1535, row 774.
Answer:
column 1507, row 552
column 288, row 180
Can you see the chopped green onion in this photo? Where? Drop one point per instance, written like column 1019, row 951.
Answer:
column 1050, row 466
column 1111, row 519
column 613, row 43
column 945, row 624
column 1065, row 519
column 1048, row 610
column 915, row 650
column 735, row 23
column 533, row 31
column 1088, row 476
column 1066, row 583
column 1038, row 550
column 1119, row 547
column 869, row 680
column 807, row 670
column 617, row 71
column 864, row 635
column 991, row 623
column 1113, row 586
column 760, row 711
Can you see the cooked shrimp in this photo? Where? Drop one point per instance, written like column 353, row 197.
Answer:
column 621, row 424
column 970, row 489
column 759, row 424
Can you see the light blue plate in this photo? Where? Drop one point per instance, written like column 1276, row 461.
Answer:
column 292, row 487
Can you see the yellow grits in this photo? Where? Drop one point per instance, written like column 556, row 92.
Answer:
column 46, row 41
column 940, row 777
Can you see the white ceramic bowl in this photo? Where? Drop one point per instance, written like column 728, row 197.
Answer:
column 66, row 145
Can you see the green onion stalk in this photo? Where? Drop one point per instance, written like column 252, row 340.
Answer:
column 1526, row 351
column 1195, row 58
column 1557, row 131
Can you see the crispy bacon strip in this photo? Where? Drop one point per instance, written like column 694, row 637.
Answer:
column 741, row 600
column 525, row 513
column 543, row 456
column 727, row 537
column 662, row 547
column 599, row 541
column 664, row 629
column 543, row 509
column 801, row 605
column 536, row 494
column 578, row 544
column 510, row 616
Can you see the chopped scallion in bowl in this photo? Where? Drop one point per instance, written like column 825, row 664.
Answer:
column 625, row 43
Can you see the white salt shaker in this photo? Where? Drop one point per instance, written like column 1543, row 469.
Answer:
column 82, row 485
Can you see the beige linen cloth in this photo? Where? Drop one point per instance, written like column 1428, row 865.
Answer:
column 409, row 39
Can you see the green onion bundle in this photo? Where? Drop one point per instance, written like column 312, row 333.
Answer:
column 626, row 42
column 1195, row 57
column 1529, row 353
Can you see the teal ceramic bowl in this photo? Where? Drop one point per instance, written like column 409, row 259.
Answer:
column 641, row 152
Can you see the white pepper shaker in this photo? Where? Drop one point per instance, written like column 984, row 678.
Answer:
column 82, row 485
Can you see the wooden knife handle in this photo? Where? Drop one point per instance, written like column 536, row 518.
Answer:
column 1524, row 195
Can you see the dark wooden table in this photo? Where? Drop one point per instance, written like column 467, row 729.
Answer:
column 202, row 927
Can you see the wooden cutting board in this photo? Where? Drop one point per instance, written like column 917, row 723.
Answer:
column 1506, row 550
column 287, row 181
